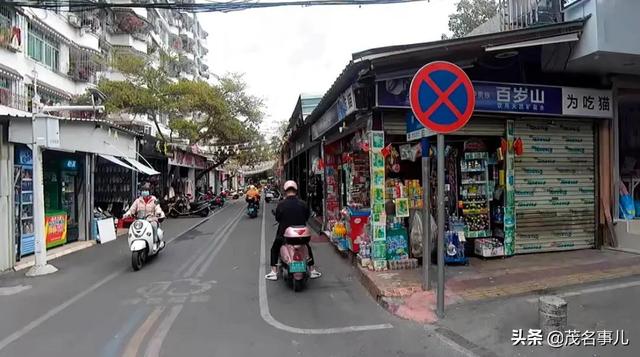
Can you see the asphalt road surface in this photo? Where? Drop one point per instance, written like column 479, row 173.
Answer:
column 204, row 295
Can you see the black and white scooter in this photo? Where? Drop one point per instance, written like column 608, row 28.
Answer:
column 142, row 243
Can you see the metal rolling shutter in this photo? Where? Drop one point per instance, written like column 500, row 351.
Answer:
column 555, row 186
column 395, row 123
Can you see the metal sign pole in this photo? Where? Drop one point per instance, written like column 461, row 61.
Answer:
column 440, row 299
column 424, row 106
column 426, row 217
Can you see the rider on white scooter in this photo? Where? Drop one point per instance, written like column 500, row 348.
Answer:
column 149, row 205
column 290, row 212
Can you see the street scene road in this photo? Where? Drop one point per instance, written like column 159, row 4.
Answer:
column 467, row 173
column 204, row 295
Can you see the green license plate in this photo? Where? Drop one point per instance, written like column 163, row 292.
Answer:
column 297, row 267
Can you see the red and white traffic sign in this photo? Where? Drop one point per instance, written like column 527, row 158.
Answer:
column 442, row 97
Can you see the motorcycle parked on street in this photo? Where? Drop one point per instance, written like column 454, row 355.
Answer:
column 183, row 207
column 142, row 242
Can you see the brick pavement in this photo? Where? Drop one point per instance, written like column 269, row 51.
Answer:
column 401, row 293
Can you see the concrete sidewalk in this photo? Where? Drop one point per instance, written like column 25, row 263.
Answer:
column 400, row 291
column 172, row 227
column 486, row 327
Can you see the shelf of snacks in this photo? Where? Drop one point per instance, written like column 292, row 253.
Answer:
column 475, row 194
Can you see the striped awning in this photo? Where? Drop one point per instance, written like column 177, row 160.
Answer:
column 12, row 112
column 10, row 72
column 49, row 89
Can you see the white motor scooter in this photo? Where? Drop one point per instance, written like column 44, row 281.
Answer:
column 142, row 243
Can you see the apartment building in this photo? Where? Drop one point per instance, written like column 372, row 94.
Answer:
column 69, row 51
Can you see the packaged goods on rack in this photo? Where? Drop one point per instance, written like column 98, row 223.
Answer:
column 475, row 194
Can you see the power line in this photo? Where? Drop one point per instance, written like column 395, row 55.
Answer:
column 209, row 6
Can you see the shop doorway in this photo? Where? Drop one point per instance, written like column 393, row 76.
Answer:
column 475, row 171
column 64, row 190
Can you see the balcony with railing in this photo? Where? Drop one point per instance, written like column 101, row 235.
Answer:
column 89, row 20
column 518, row 14
column 13, row 99
column 84, row 65
column 130, row 23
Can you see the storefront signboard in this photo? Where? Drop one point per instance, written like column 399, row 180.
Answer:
column 512, row 98
column 510, row 204
column 346, row 104
column 377, row 165
column 185, row 159
column 327, row 121
column 55, row 228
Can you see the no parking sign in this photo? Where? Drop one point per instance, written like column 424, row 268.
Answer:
column 442, row 97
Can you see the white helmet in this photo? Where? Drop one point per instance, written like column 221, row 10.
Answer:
column 290, row 185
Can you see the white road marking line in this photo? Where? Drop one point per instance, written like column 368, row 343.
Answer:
column 12, row 290
column 268, row 318
column 196, row 225
column 37, row 322
column 595, row 289
column 201, row 258
column 219, row 243
column 155, row 344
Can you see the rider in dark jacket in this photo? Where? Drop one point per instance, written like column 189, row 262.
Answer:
column 290, row 212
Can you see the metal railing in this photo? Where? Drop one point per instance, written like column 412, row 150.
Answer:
column 13, row 100
column 84, row 65
column 519, row 14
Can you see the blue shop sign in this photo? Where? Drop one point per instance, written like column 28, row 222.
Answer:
column 69, row 164
column 518, row 98
column 514, row 98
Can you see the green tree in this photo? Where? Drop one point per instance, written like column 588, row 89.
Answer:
column 469, row 15
column 221, row 113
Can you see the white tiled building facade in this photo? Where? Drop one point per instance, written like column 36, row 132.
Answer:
column 70, row 50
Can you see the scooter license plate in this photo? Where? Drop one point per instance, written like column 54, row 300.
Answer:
column 297, row 267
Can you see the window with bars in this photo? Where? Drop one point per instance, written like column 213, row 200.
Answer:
column 43, row 48
column 46, row 97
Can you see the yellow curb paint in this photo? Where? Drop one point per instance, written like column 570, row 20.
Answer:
column 134, row 344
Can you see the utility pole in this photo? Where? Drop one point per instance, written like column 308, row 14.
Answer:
column 39, row 115
column 41, row 267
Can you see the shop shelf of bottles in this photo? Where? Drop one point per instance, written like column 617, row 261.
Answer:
column 475, row 211
column 477, row 170
column 476, row 155
column 473, row 182
column 477, row 234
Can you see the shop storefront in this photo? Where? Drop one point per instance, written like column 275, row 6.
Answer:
column 626, row 166
column 521, row 176
column 154, row 152
column 70, row 174
column 182, row 172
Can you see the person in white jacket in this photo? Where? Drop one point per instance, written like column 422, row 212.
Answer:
column 148, row 205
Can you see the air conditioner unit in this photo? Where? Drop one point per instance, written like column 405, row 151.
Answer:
column 74, row 21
